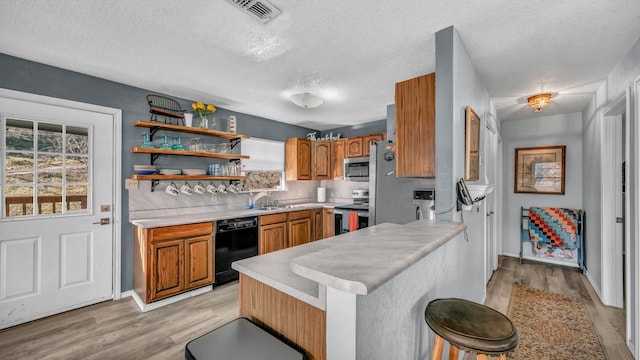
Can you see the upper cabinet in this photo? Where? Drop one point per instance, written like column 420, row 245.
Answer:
column 354, row 147
column 321, row 163
column 298, row 159
column 415, row 126
column 324, row 159
column 338, row 154
column 367, row 140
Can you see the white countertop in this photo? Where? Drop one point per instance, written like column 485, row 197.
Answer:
column 357, row 262
column 160, row 221
column 364, row 262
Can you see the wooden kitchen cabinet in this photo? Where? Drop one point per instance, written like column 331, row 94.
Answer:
column 272, row 235
column 173, row 259
column 321, row 160
column 317, row 225
column 328, row 223
column 283, row 230
column 367, row 140
column 299, row 228
column 415, row 127
column 354, row 147
column 167, row 268
column 338, row 148
column 198, row 261
column 298, row 159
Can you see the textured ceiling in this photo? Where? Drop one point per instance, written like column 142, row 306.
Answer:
column 348, row 52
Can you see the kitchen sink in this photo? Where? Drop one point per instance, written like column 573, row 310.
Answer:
column 270, row 208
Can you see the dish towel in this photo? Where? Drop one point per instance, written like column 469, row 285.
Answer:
column 353, row 221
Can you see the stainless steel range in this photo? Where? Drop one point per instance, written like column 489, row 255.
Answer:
column 354, row 216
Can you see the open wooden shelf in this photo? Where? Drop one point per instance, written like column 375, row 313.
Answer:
column 138, row 149
column 184, row 177
column 190, row 130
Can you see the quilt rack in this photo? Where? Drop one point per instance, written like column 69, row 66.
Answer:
column 579, row 243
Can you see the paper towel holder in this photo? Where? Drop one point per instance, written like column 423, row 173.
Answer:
column 322, row 194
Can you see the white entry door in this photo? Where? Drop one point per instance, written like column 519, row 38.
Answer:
column 56, row 186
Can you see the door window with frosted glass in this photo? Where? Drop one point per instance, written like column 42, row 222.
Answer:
column 46, row 169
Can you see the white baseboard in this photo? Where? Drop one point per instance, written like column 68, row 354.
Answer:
column 632, row 349
column 126, row 294
column 593, row 285
column 164, row 302
column 543, row 260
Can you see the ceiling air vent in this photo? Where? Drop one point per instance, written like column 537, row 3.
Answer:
column 262, row 10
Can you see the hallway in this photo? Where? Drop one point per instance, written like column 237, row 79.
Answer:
column 609, row 322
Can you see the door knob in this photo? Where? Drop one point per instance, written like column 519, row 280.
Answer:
column 103, row 221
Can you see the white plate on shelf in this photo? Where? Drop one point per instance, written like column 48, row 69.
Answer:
column 193, row 171
column 170, row 171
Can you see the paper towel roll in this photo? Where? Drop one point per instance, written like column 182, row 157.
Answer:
column 322, row 194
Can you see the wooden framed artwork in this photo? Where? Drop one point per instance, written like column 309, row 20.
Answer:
column 472, row 146
column 540, row 170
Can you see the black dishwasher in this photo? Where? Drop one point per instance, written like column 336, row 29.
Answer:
column 236, row 239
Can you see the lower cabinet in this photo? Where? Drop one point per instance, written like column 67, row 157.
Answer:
column 173, row 259
column 283, row 230
column 272, row 234
column 299, row 228
column 328, row 223
column 317, row 225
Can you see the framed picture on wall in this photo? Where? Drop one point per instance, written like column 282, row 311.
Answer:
column 472, row 146
column 540, row 170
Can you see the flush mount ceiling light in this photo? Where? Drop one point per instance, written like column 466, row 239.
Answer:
column 539, row 101
column 306, row 100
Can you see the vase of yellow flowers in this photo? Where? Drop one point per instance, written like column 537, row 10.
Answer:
column 204, row 112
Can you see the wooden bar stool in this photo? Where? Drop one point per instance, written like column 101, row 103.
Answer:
column 471, row 327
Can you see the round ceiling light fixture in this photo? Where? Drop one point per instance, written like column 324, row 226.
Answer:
column 306, row 100
column 539, row 101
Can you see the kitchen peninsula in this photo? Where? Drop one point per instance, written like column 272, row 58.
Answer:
column 361, row 295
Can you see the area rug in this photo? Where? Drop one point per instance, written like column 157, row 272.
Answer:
column 552, row 326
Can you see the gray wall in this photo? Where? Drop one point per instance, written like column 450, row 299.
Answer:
column 541, row 131
column 22, row 75
column 618, row 81
column 591, row 175
column 358, row 130
column 458, row 85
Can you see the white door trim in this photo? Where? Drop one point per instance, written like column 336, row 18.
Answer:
column 633, row 289
column 611, row 284
column 116, row 115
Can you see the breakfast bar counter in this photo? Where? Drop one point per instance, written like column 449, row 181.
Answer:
column 361, row 295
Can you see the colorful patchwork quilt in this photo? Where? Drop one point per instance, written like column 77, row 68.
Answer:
column 554, row 227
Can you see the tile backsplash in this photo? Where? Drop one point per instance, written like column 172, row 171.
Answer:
column 143, row 203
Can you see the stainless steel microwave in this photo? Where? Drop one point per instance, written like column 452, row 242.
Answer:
column 356, row 169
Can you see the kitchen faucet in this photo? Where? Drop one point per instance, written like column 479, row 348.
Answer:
column 268, row 201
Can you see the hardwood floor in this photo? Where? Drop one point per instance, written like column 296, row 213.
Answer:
column 118, row 330
column 609, row 322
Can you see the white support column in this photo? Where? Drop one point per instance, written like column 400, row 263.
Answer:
column 341, row 325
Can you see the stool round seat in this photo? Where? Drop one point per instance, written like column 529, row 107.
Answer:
column 471, row 326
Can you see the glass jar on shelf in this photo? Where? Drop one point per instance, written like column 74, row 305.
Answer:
column 177, row 143
column 146, row 140
column 165, row 142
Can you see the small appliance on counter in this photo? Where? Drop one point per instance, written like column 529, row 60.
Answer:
column 393, row 199
column 424, row 199
column 352, row 217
